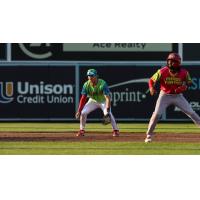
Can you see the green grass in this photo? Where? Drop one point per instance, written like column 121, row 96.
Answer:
column 98, row 148
column 124, row 127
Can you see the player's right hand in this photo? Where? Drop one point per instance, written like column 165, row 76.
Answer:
column 152, row 91
column 77, row 115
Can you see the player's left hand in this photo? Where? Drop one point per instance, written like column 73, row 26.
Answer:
column 181, row 89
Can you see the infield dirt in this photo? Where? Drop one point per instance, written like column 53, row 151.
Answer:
column 100, row 136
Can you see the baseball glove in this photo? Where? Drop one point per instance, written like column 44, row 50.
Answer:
column 106, row 119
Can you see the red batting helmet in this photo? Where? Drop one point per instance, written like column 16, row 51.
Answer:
column 175, row 57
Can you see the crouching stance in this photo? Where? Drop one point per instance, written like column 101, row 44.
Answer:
column 173, row 80
column 98, row 92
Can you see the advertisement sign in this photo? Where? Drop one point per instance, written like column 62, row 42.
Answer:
column 92, row 51
column 192, row 95
column 44, row 92
column 2, row 51
column 118, row 47
column 130, row 96
column 49, row 92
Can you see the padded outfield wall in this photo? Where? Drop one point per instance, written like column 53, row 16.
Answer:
column 42, row 82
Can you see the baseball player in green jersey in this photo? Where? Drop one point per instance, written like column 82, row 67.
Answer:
column 97, row 91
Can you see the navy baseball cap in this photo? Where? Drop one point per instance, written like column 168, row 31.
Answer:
column 92, row 72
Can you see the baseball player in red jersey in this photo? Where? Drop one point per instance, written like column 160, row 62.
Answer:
column 174, row 80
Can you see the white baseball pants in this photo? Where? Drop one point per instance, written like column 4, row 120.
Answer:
column 91, row 106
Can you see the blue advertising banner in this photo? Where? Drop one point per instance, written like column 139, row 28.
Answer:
column 129, row 90
column 192, row 95
column 37, row 93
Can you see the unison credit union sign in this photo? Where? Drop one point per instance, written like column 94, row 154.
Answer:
column 31, row 92
column 36, row 93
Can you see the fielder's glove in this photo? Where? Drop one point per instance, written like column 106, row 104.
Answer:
column 106, row 119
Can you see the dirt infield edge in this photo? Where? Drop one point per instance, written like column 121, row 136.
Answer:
column 94, row 137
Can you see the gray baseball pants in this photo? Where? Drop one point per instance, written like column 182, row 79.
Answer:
column 164, row 100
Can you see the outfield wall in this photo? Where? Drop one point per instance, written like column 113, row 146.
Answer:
column 34, row 88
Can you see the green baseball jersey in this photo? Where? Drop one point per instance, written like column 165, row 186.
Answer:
column 96, row 92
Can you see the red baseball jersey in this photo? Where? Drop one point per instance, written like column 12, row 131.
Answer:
column 170, row 82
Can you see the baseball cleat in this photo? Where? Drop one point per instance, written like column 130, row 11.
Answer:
column 80, row 133
column 115, row 133
column 148, row 139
